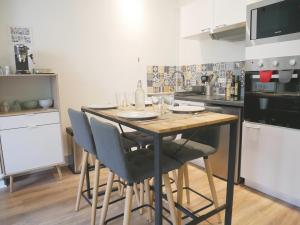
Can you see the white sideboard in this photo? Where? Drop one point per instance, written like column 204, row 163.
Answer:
column 30, row 140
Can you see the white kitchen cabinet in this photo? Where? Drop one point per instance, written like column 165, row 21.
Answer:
column 229, row 12
column 31, row 148
column 270, row 160
column 30, row 140
column 196, row 18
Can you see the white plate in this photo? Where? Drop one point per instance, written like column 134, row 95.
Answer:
column 138, row 115
column 186, row 108
column 102, row 106
column 147, row 103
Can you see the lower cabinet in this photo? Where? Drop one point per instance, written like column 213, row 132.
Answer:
column 270, row 160
column 32, row 147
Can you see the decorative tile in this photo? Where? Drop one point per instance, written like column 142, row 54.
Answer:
column 165, row 76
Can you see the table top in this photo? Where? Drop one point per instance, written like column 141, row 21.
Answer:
column 166, row 123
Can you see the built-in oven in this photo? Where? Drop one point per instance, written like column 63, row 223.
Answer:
column 271, row 127
column 275, row 98
column 271, row 21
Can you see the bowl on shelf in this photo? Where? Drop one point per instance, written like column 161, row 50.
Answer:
column 46, row 103
column 31, row 104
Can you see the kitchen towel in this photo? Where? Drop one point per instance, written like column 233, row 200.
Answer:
column 265, row 75
column 285, row 76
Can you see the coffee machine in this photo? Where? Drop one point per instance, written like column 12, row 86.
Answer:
column 23, row 59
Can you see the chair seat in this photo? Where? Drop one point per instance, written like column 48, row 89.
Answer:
column 190, row 151
column 139, row 138
column 128, row 143
column 143, row 139
column 141, row 165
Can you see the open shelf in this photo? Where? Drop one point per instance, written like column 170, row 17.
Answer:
column 29, row 111
column 28, row 75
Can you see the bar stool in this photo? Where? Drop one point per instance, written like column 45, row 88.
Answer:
column 193, row 145
column 133, row 167
column 84, row 138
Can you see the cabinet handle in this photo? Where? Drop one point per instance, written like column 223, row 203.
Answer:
column 252, row 126
column 206, row 29
column 221, row 25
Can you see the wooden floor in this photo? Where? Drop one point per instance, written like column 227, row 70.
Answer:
column 44, row 200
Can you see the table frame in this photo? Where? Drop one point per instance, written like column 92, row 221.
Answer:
column 158, row 169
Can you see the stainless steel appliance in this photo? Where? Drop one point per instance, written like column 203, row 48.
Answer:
column 220, row 159
column 270, row 21
column 271, row 128
column 276, row 102
column 23, row 59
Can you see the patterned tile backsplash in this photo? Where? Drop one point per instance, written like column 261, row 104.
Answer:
column 164, row 77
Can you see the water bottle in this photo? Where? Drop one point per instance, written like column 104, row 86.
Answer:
column 139, row 97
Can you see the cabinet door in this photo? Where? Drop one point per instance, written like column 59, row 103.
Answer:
column 250, row 150
column 31, row 148
column 229, row 12
column 196, row 18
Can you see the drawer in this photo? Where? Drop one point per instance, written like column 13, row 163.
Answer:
column 28, row 120
column 31, row 148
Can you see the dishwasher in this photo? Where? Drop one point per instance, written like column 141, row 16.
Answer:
column 219, row 160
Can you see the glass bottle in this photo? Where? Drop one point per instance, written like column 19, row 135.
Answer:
column 139, row 97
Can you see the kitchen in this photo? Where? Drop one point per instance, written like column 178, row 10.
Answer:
column 237, row 60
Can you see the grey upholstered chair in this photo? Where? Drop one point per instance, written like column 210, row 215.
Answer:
column 84, row 138
column 133, row 167
column 194, row 145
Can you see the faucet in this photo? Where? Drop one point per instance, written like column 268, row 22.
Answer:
column 178, row 87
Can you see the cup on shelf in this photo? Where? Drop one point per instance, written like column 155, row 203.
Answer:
column 46, row 103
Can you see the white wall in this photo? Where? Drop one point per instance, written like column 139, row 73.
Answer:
column 94, row 45
column 206, row 50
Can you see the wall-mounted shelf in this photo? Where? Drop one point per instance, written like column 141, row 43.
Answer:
column 28, row 75
column 30, row 111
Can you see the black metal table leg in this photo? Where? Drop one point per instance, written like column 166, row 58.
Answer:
column 157, row 179
column 230, row 173
column 88, row 184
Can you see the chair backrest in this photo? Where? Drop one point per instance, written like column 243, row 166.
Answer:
column 82, row 130
column 109, row 147
column 207, row 135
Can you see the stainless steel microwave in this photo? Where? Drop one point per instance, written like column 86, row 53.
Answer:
column 270, row 21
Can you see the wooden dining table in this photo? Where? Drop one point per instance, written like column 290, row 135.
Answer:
column 171, row 124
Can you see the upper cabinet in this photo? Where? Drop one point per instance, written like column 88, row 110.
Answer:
column 208, row 16
column 196, row 18
column 229, row 12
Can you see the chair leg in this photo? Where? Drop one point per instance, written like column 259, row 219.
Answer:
column 212, row 186
column 11, row 184
column 95, row 191
column 169, row 193
column 122, row 188
column 175, row 177
column 109, row 184
column 179, row 193
column 148, row 200
column 119, row 185
column 187, row 183
column 81, row 180
column 141, row 197
column 128, row 202
column 59, row 172
column 136, row 194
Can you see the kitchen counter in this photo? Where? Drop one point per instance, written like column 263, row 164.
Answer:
column 216, row 100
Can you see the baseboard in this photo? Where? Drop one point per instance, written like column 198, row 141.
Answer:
column 278, row 195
